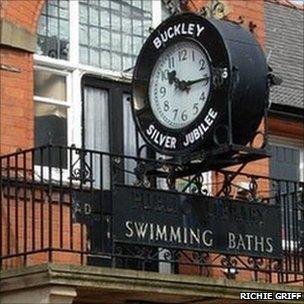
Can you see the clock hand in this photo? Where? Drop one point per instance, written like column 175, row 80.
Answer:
column 172, row 76
column 191, row 82
column 173, row 79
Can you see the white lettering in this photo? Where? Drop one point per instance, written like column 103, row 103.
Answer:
column 191, row 28
column 141, row 229
column 173, row 143
column 212, row 113
column 175, row 235
column 269, row 249
column 150, row 130
column 204, row 238
column 199, row 131
column 129, row 227
column 231, row 242
column 178, row 29
column 157, row 42
column 194, row 236
column 161, row 234
column 199, row 29
column 170, row 32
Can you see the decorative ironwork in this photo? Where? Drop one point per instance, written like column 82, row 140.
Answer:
column 80, row 169
column 141, row 175
column 217, row 9
column 175, row 6
column 22, row 185
column 252, row 26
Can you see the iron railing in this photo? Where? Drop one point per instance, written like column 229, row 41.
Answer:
column 56, row 206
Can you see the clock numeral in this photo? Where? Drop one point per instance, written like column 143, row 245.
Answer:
column 202, row 64
column 162, row 91
column 175, row 113
column 164, row 75
column 195, row 108
column 171, row 62
column 182, row 55
column 203, row 96
column 206, row 81
column 184, row 116
column 193, row 56
column 166, row 106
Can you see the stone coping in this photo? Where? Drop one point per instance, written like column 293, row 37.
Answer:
column 100, row 279
column 17, row 37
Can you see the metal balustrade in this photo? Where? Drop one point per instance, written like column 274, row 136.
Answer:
column 57, row 206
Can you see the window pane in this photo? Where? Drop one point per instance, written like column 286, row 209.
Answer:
column 105, row 59
column 48, row 84
column 93, row 13
column 127, row 44
column 123, row 27
column 53, row 30
column 84, row 54
column 84, row 34
column 105, row 18
column 105, row 39
column 96, row 128
column 83, row 13
column 127, row 63
column 116, row 61
column 94, row 37
column 94, row 57
column 50, row 127
column 130, row 140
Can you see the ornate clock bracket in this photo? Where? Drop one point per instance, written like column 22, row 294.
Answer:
column 219, row 76
column 218, row 9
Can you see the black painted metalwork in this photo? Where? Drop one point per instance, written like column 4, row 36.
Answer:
column 49, row 213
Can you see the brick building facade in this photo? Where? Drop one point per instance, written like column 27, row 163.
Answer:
column 54, row 56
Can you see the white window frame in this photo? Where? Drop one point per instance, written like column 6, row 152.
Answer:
column 67, row 103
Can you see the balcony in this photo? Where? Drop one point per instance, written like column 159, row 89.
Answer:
column 70, row 206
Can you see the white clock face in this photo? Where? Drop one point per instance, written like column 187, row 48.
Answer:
column 179, row 85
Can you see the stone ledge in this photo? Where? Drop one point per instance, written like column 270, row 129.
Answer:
column 126, row 284
column 17, row 37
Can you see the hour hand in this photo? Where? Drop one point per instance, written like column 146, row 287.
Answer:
column 172, row 77
column 178, row 83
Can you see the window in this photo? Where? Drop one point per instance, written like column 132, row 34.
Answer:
column 52, row 102
column 99, row 33
column 286, row 163
column 112, row 32
column 53, row 30
column 77, row 38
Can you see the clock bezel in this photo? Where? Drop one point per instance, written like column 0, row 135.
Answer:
column 213, row 45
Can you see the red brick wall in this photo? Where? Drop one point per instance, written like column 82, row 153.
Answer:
column 22, row 13
column 16, row 80
column 16, row 94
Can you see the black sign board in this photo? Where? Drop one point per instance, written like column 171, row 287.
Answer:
column 174, row 220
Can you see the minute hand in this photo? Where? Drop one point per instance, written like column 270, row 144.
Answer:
column 191, row 82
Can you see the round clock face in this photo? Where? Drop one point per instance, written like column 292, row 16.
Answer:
column 179, row 84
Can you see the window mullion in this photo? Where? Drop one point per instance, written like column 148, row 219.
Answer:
column 74, row 32
column 156, row 13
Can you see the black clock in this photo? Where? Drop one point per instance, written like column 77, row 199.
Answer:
column 193, row 75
